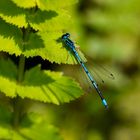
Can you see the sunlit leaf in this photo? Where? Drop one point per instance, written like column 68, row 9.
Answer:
column 46, row 20
column 8, row 75
column 25, row 3
column 48, row 86
column 44, row 4
column 44, row 44
column 39, row 85
column 12, row 14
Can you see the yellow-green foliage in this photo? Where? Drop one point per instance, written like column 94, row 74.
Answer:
column 31, row 28
column 49, row 24
column 43, row 28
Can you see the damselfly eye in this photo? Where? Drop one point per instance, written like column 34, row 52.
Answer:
column 65, row 36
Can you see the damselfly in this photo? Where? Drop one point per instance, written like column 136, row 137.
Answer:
column 69, row 43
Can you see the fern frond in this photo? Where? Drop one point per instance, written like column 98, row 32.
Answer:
column 25, row 3
column 55, row 4
column 8, row 75
column 38, row 85
column 12, row 14
column 50, row 25
column 49, row 19
column 54, row 50
column 44, row 44
column 10, row 38
column 44, row 4
column 39, row 19
column 48, row 86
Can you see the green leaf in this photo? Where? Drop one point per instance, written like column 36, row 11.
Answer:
column 12, row 14
column 44, row 44
column 10, row 38
column 25, row 3
column 8, row 75
column 44, row 4
column 53, row 4
column 55, row 51
column 48, row 86
column 39, row 85
column 49, row 46
column 48, row 20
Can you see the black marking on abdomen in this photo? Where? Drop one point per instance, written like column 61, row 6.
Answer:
column 87, row 72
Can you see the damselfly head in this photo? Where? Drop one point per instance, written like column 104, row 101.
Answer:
column 65, row 36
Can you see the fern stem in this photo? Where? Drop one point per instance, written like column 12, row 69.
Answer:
column 17, row 102
column 21, row 68
column 17, row 112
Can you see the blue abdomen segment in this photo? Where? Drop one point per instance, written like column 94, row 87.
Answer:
column 104, row 103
